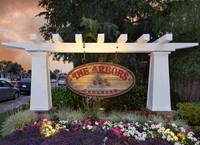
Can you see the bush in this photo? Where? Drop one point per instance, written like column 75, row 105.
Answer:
column 18, row 121
column 63, row 97
column 135, row 99
column 190, row 112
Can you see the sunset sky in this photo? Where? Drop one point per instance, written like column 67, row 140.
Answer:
column 17, row 22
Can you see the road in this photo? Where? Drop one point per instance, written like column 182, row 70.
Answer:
column 11, row 104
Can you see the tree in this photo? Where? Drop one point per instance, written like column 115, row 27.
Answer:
column 182, row 19
column 14, row 69
column 90, row 17
column 4, row 67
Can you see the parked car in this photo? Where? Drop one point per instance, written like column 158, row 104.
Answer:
column 24, row 85
column 8, row 91
column 62, row 81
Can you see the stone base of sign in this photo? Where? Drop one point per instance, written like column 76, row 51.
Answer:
column 168, row 115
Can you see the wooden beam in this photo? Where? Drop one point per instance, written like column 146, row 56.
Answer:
column 110, row 47
column 143, row 39
column 79, row 38
column 36, row 39
column 57, row 39
column 122, row 39
column 164, row 39
column 100, row 38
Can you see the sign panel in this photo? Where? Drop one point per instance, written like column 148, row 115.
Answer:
column 100, row 79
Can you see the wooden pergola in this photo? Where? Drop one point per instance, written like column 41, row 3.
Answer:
column 158, row 97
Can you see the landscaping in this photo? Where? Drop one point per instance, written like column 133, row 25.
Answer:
column 67, row 126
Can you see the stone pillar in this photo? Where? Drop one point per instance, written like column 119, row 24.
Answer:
column 158, row 97
column 40, row 82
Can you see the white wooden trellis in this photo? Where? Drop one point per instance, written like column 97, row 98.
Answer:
column 158, row 97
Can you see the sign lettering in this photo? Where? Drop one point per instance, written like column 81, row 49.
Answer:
column 100, row 80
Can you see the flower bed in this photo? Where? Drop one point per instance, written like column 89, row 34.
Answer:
column 91, row 131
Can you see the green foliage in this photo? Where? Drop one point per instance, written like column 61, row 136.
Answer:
column 11, row 68
column 135, row 99
column 18, row 121
column 180, row 122
column 189, row 112
column 69, row 114
column 157, row 119
column 181, row 18
column 63, row 97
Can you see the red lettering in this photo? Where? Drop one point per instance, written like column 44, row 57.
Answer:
column 114, row 71
column 80, row 73
column 94, row 69
column 125, row 76
column 101, row 69
column 120, row 73
column 108, row 70
column 74, row 75
column 86, row 71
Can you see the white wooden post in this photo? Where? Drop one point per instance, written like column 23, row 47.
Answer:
column 40, row 82
column 158, row 97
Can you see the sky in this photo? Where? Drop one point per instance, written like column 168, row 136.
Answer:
column 17, row 22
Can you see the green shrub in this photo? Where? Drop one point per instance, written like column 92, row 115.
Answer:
column 70, row 115
column 180, row 122
column 63, row 97
column 18, row 121
column 191, row 113
column 135, row 99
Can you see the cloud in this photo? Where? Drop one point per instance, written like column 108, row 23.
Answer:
column 17, row 22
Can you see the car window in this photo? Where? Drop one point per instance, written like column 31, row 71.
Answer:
column 5, row 84
column 1, row 85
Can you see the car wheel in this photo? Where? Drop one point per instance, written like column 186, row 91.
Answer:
column 16, row 95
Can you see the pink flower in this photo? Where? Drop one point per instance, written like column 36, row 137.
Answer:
column 125, row 124
column 101, row 123
column 117, row 132
column 57, row 127
column 41, row 117
column 89, row 122
column 94, row 128
column 48, row 122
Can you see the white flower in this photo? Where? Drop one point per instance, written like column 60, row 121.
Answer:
column 176, row 143
column 197, row 143
column 182, row 129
